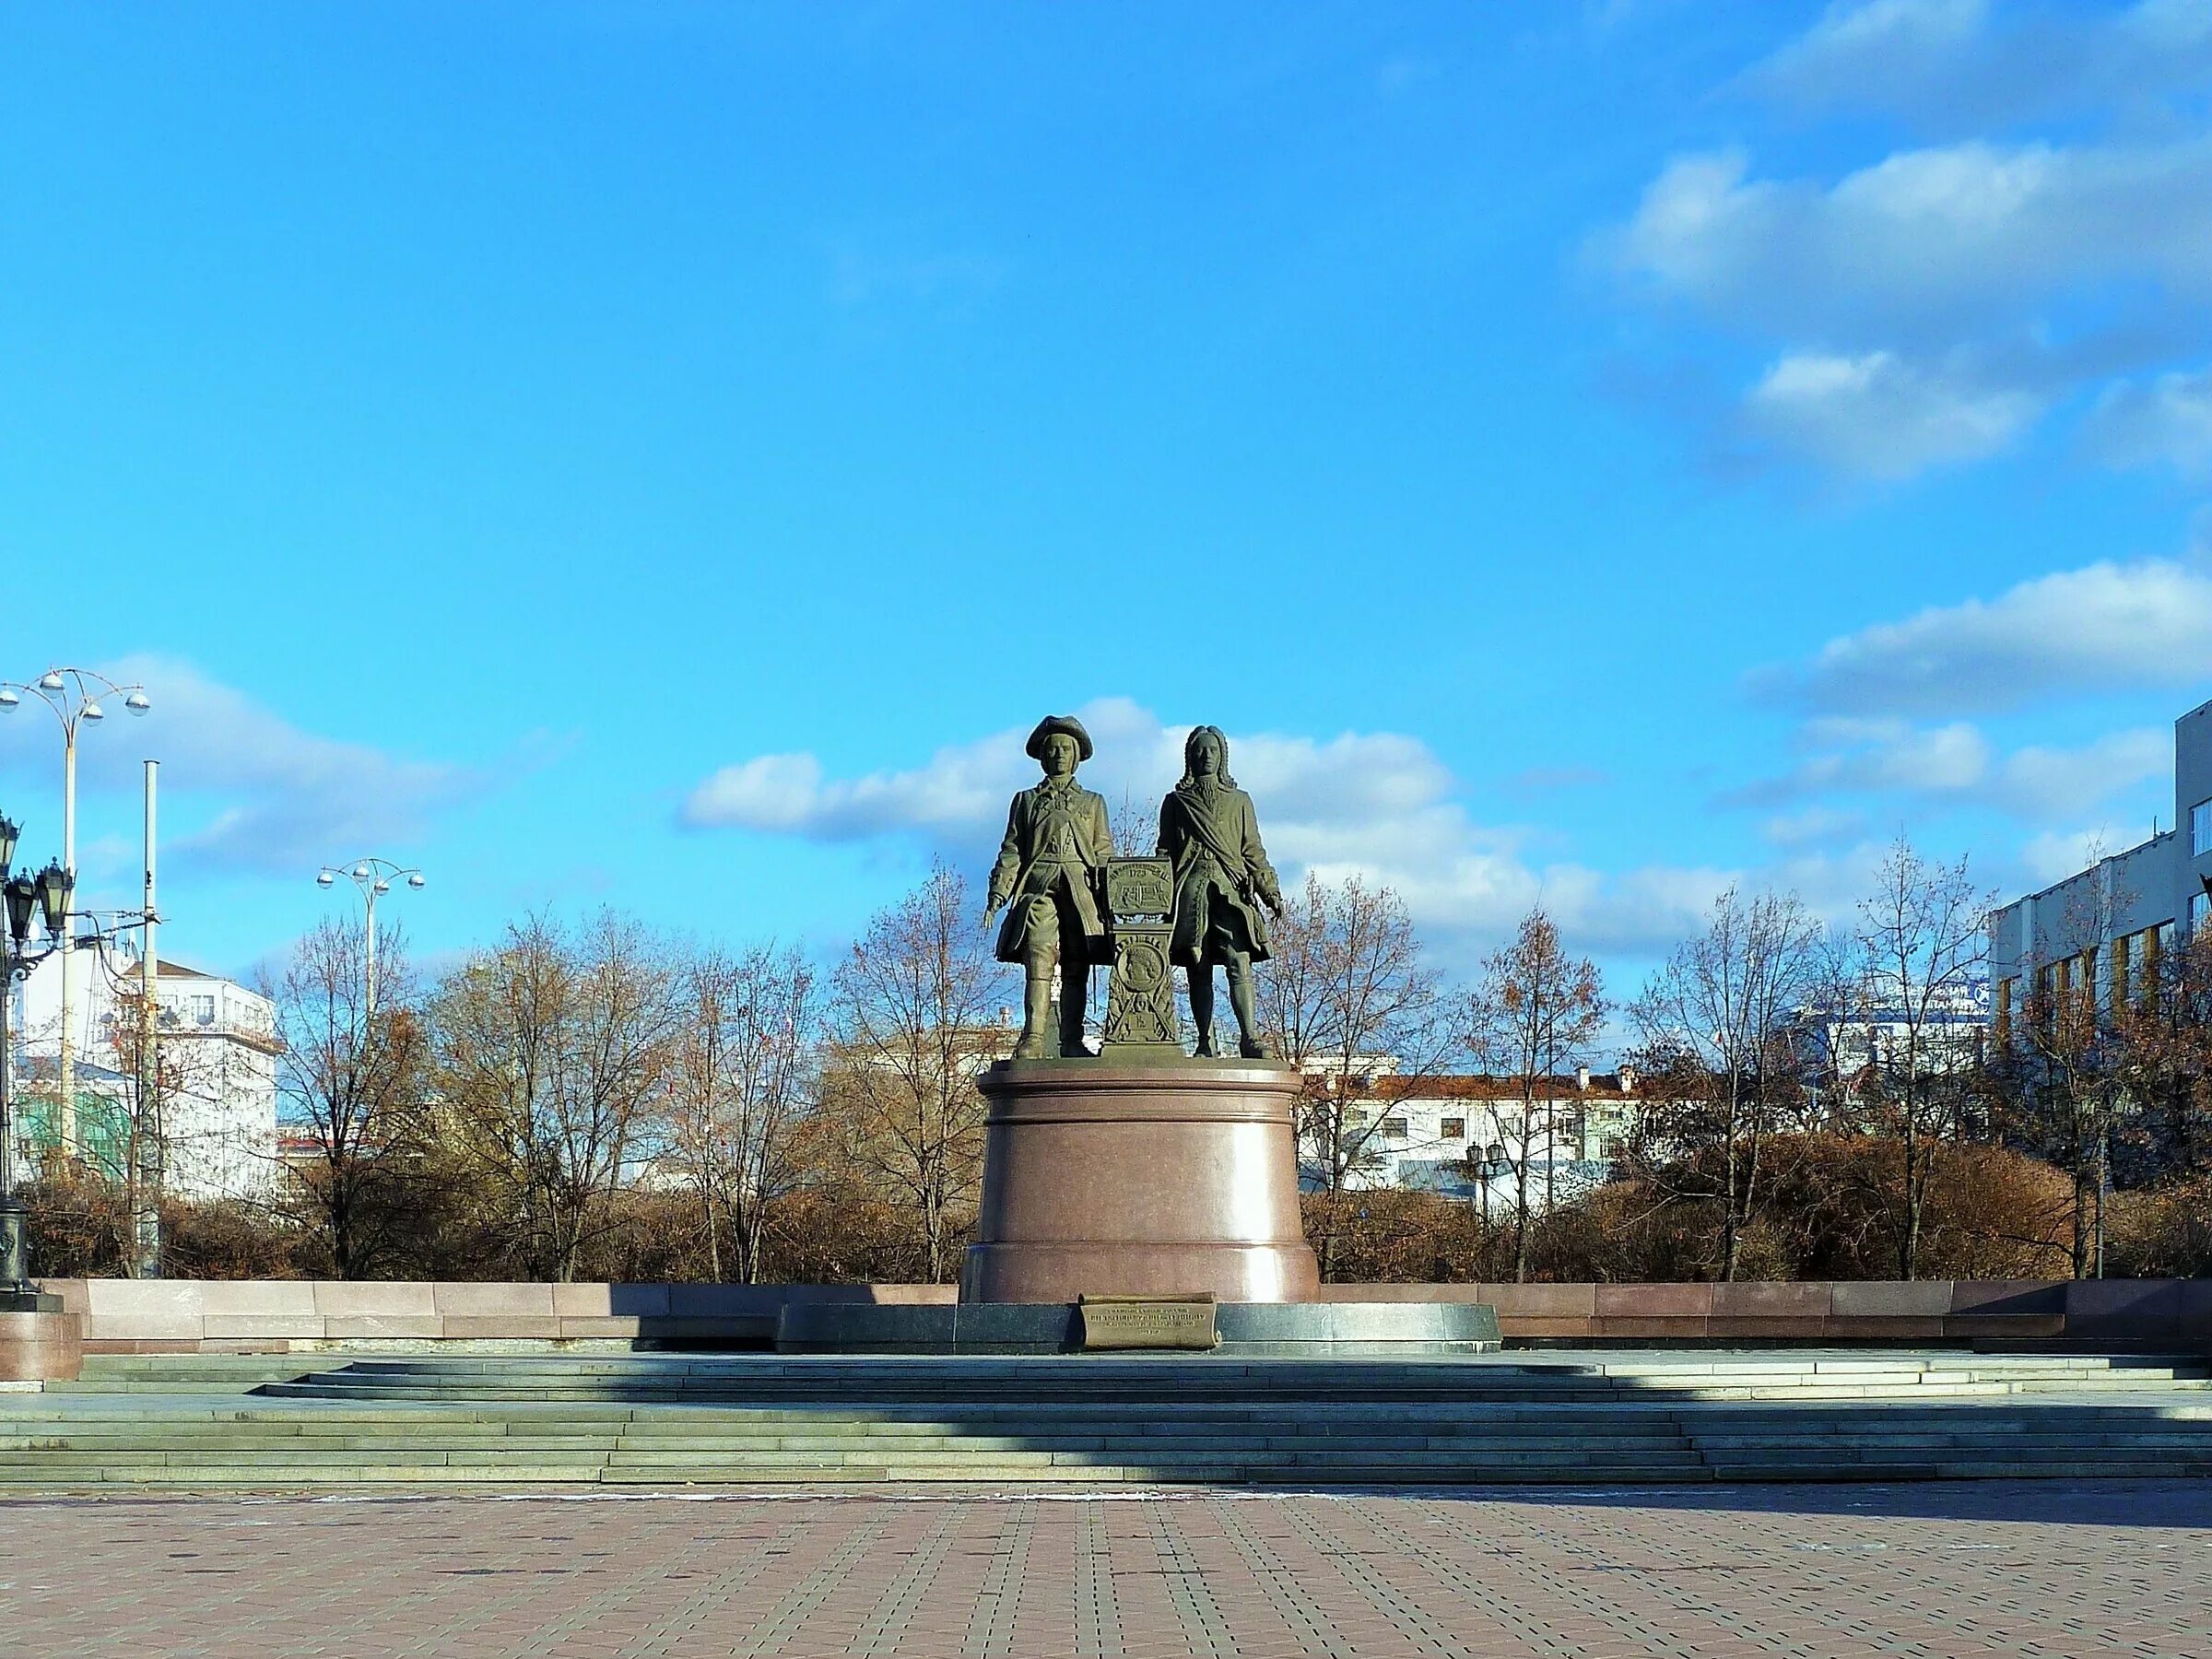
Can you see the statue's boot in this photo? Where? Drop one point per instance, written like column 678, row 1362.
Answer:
column 1202, row 1010
column 1074, row 990
column 1036, row 1017
column 1240, row 998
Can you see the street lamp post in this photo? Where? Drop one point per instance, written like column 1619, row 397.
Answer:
column 48, row 894
column 374, row 876
column 74, row 695
column 1489, row 1163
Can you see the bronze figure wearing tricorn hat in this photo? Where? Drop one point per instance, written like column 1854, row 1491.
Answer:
column 1047, row 879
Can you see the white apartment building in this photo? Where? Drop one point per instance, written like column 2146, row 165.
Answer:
column 220, row 1127
column 1433, row 1134
column 2116, row 918
column 1844, row 1042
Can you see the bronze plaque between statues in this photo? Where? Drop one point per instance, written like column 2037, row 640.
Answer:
column 1149, row 1322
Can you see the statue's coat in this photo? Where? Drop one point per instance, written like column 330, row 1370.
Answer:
column 1030, row 867
column 1220, row 870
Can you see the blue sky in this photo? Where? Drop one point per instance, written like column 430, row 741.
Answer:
column 666, row 454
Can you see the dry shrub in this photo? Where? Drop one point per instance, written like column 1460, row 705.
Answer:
column 225, row 1241
column 1390, row 1236
column 81, row 1228
column 850, row 1232
column 2163, row 1233
column 1832, row 1209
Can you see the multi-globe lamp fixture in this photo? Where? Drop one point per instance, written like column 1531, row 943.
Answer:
column 375, row 878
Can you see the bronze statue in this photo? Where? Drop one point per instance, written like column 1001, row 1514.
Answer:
column 1222, row 879
column 1048, row 871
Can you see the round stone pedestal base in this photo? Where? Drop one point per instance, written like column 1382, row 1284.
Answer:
column 1108, row 1178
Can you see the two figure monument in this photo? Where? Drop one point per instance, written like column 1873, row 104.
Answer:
column 1201, row 901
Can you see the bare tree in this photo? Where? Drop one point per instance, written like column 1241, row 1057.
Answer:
column 2162, row 1013
column 551, row 1054
column 352, row 1085
column 1349, row 998
column 125, row 1139
column 912, row 1017
column 1715, row 1051
column 2064, row 1073
column 1534, row 1013
column 1916, row 959
column 740, row 1089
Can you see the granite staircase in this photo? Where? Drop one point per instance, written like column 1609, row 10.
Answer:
column 657, row 1422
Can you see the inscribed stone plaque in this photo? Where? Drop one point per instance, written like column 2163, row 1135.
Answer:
column 1139, row 887
column 1149, row 1322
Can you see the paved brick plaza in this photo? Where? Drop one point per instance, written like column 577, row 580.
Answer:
column 1951, row 1571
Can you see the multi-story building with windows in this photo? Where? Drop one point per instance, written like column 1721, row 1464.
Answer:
column 219, row 1045
column 1839, row 1044
column 1435, row 1134
column 2110, row 924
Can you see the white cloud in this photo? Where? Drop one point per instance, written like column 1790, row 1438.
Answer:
column 1881, row 756
column 1858, row 47
column 1931, row 305
column 1954, row 763
column 1944, row 63
column 282, row 799
column 1876, row 415
column 2166, row 420
column 2103, row 627
column 2050, row 783
column 1376, row 804
column 1925, row 243
column 2056, row 854
column 1812, row 826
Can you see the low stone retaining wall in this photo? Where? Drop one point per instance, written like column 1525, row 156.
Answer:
column 271, row 1315
column 2156, row 1312
column 157, row 1316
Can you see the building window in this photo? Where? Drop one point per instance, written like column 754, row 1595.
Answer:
column 1393, row 1128
column 203, row 1010
column 1454, row 1129
column 2200, row 828
column 2200, row 903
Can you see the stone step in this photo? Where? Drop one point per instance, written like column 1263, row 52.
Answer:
column 1798, row 1471
column 686, row 1446
column 342, row 1386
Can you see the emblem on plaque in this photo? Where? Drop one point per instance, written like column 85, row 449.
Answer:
column 1140, row 999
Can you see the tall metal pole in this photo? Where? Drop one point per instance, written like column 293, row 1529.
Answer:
column 14, row 1269
column 368, row 1016
column 151, row 1126
column 372, row 876
column 67, row 1069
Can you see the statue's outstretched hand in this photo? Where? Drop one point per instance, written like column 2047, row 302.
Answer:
column 991, row 913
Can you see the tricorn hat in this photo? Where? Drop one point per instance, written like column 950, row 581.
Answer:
column 1059, row 723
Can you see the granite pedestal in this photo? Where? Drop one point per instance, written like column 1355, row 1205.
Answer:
column 1110, row 1176
column 39, row 1342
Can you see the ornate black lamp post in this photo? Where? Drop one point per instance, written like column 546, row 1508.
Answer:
column 46, row 895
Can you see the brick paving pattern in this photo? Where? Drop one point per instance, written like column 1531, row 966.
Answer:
column 2044, row 1570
